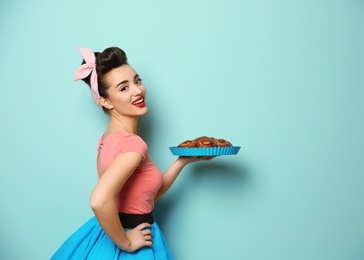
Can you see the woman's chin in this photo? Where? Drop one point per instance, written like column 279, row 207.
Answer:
column 143, row 111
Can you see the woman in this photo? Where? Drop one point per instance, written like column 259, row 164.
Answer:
column 129, row 182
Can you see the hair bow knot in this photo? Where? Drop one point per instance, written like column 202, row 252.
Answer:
column 86, row 69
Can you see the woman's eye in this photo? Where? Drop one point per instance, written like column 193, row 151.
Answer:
column 139, row 80
column 124, row 88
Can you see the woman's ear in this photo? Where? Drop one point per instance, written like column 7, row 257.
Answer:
column 105, row 103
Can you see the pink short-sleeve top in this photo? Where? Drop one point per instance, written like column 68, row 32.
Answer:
column 138, row 194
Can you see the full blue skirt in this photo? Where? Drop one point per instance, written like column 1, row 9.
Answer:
column 91, row 242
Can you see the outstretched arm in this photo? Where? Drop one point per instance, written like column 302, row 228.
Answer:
column 174, row 170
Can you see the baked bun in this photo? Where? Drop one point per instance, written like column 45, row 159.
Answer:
column 187, row 144
column 204, row 141
column 222, row 142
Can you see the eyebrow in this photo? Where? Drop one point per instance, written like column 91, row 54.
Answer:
column 126, row 81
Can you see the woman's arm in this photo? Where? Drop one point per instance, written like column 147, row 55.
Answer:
column 102, row 202
column 173, row 171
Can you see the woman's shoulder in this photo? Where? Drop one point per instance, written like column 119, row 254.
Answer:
column 121, row 140
column 121, row 135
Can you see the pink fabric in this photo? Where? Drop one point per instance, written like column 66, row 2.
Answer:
column 137, row 195
column 86, row 69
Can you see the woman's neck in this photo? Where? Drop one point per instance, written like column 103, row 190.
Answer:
column 122, row 123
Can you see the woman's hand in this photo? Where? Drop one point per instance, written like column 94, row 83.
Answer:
column 190, row 159
column 139, row 237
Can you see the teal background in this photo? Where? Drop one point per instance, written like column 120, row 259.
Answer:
column 282, row 79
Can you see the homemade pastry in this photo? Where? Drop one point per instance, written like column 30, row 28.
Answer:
column 222, row 142
column 188, row 144
column 204, row 141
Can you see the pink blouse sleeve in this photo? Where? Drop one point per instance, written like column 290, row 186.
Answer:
column 130, row 143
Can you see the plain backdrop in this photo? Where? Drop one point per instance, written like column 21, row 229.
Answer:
column 282, row 79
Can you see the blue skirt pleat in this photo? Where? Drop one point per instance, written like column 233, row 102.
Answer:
column 91, row 242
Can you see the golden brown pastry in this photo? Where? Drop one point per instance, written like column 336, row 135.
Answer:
column 222, row 142
column 204, row 141
column 187, row 144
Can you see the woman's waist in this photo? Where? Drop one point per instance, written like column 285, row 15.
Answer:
column 133, row 220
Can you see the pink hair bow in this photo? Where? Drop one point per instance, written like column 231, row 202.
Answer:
column 86, row 69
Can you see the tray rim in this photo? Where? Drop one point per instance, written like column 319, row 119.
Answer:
column 205, row 151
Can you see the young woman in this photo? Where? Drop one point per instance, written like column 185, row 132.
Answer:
column 129, row 182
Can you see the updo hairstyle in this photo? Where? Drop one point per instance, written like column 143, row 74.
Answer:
column 110, row 58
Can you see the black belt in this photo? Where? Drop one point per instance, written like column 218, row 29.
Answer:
column 133, row 220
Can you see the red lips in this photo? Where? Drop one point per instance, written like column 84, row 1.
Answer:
column 139, row 102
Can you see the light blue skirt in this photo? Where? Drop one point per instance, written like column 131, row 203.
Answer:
column 91, row 242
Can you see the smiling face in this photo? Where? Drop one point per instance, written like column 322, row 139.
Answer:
column 126, row 92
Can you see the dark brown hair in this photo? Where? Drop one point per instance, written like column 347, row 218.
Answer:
column 107, row 60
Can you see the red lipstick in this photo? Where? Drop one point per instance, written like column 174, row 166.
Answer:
column 139, row 102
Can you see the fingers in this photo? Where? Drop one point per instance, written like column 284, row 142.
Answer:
column 149, row 243
column 140, row 236
column 205, row 158
column 143, row 226
column 146, row 233
column 208, row 158
column 148, row 237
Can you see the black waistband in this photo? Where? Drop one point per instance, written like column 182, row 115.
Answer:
column 133, row 220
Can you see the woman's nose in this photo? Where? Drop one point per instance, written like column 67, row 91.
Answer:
column 138, row 90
